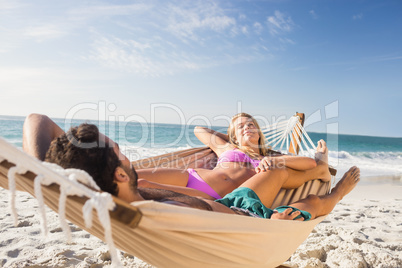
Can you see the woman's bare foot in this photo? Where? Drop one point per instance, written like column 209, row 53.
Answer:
column 321, row 157
column 321, row 154
column 347, row 183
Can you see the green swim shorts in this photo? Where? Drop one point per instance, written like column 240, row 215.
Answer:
column 246, row 199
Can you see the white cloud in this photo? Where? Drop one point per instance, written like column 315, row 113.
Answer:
column 257, row 27
column 159, row 58
column 9, row 5
column 152, row 38
column 384, row 58
column 185, row 21
column 185, row 36
column 44, row 32
column 7, row 40
column 287, row 41
column 313, row 14
column 140, row 58
column 279, row 23
column 16, row 74
column 90, row 12
column 218, row 23
column 27, row 82
column 69, row 21
column 358, row 16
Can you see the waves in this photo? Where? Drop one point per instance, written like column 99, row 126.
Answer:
column 371, row 164
column 135, row 153
column 368, row 155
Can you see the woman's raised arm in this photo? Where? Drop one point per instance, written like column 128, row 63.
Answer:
column 215, row 140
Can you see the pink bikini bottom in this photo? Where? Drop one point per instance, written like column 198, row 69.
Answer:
column 196, row 182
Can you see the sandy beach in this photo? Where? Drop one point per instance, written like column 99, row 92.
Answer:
column 364, row 230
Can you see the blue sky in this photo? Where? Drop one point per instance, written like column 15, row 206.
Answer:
column 340, row 62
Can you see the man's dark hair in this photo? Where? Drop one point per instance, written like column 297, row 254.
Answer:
column 80, row 148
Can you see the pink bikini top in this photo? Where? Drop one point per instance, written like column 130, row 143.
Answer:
column 237, row 156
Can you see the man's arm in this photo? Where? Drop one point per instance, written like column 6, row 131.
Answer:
column 38, row 132
column 175, row 198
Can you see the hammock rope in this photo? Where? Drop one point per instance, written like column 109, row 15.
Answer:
column 71, row 182
column 18, row 169
column 286, row 133
column 41, row 203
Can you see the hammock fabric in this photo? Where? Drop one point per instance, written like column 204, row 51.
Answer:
column 166, row 235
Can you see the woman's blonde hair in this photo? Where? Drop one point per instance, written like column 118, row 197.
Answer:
column 263, row 148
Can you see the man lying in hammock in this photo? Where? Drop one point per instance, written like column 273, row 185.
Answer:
column 84, row 147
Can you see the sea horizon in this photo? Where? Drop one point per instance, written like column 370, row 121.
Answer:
column 7, row 117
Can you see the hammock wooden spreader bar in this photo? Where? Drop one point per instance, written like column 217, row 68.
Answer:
column 292, row 134
column 285, row 133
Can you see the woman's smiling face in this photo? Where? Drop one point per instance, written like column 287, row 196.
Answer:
column 246, row 131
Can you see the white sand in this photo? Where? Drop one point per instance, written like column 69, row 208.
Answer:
column 364, row 230
column 25, row 246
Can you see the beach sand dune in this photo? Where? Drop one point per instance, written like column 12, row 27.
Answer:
column 364, row 230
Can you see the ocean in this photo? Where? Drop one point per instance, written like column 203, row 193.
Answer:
column 379, row 158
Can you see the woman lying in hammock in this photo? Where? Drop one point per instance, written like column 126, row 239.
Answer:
column 241, row 155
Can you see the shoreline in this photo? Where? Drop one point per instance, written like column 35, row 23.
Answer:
column 373, row 179
column 383, row 191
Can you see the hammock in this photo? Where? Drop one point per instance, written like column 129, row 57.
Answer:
column 160, row 234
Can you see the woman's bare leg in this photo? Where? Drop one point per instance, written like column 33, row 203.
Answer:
column 267, row 184
column 169, row 176
column 323, row 205
column 38, row 132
